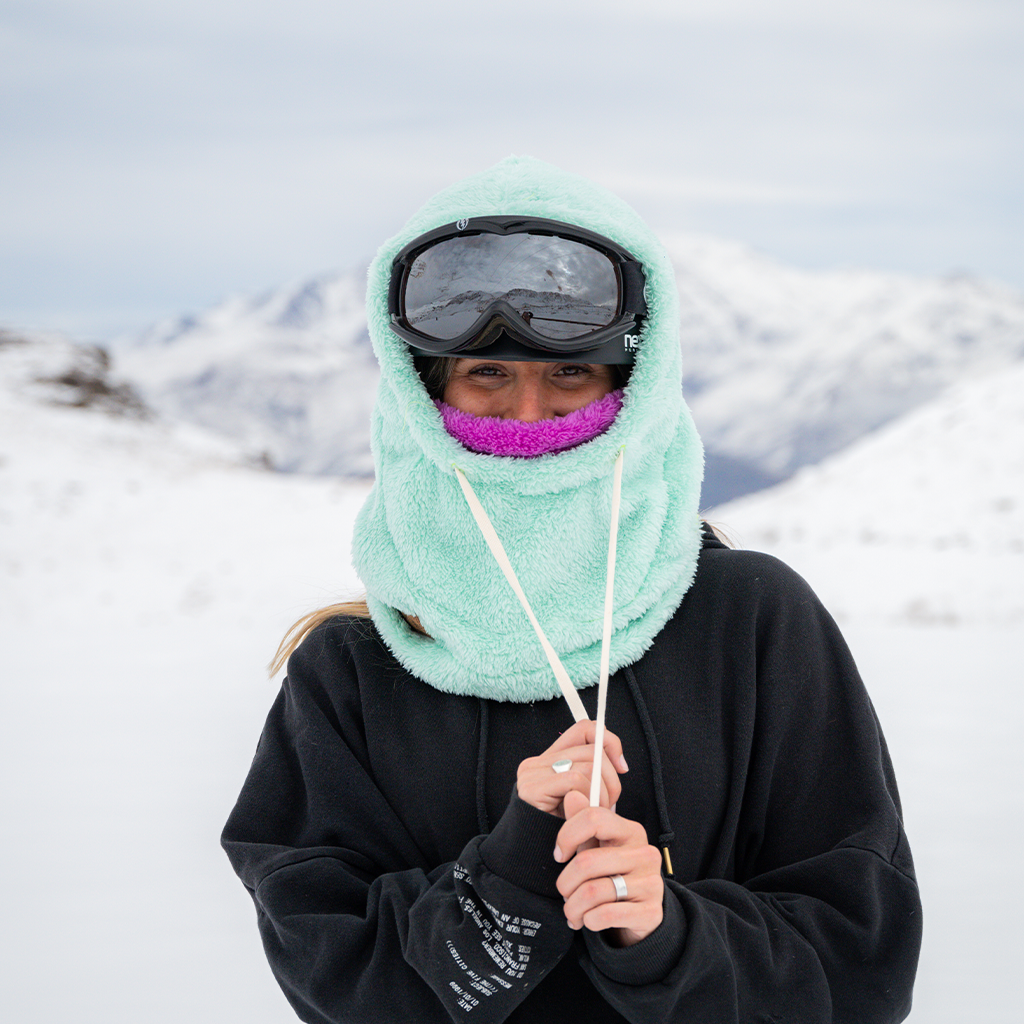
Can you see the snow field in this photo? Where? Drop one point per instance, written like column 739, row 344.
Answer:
column 145, row 583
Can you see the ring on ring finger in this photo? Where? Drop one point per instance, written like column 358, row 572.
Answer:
column 562, row 765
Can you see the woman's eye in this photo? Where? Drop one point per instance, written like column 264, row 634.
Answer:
column 486, row 371
column 574, row 371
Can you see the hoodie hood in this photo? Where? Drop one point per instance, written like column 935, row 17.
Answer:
column 416, row 546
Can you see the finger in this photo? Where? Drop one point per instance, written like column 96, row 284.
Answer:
column 600, row 823
column 583, row 734
column 610, row 781
column 579, row 753
column 589, row 884
column 611, row 786
column 597, row 893
column 632, row 921
column 591, row 897
column 640, row 868
column 590, row 862
column 575, row 802
column 538, row 783
column 546, row 790
column 582, row 759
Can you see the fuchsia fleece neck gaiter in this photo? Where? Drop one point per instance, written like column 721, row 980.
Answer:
column 495, row 436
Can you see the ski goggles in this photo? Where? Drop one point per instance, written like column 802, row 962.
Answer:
column 518, row 288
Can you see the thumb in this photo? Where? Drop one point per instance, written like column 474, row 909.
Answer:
column 574, row 802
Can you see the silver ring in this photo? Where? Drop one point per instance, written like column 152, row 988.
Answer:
column 621, row 892
column 562, row 766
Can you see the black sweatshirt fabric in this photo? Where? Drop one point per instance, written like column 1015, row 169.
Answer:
column 382, row 897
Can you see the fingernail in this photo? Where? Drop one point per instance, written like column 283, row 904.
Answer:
column 558, row 854
column 623, row 767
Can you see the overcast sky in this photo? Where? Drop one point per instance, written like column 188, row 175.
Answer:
column 157, row 155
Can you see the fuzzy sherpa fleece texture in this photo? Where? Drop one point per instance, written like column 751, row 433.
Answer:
column 416, row 546
column 495, row 436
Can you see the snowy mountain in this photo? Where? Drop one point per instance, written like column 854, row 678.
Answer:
column 921, row 521
column 290, row 374
column 783, row 366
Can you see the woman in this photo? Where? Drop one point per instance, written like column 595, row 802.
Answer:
column 420, row 830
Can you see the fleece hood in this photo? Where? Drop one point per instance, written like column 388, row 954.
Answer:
column 416, row 546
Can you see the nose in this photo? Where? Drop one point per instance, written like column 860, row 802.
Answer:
column 529, row 403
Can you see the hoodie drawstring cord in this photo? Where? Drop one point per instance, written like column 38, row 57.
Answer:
column 497, row 549
column 606, row 634
column 572, row 698
column 482, row 820
column 493, row 541
column 667, row 836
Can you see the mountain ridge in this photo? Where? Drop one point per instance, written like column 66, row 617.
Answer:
column 783, row 366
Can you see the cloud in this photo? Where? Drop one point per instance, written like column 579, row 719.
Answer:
column 193, row 148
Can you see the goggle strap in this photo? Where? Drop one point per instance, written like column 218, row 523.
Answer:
column 633, row 283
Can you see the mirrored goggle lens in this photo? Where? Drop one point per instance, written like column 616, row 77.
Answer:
column 562, row 288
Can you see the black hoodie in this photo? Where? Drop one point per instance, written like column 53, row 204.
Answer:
column 395, row 880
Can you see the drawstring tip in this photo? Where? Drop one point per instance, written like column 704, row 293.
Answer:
column 668, row 862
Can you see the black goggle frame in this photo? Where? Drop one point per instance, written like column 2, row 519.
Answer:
column 501, row 332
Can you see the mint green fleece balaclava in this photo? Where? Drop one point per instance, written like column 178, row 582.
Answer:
column 416, row 546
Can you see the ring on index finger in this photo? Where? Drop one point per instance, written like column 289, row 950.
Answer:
column 561, row 766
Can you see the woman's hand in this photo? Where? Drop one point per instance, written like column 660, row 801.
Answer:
column 598, row 843
column 540, row 785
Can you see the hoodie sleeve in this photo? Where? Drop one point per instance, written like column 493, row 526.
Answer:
column 354, row 924
column 823, row 919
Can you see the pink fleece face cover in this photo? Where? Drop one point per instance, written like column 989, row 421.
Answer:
column 495, row 436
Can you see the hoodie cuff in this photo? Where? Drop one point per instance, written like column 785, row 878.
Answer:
column 521, row 849
column 648, row 961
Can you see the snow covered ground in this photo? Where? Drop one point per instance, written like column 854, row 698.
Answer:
column 146, row 576
column 914, row 538
column 921, row 521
